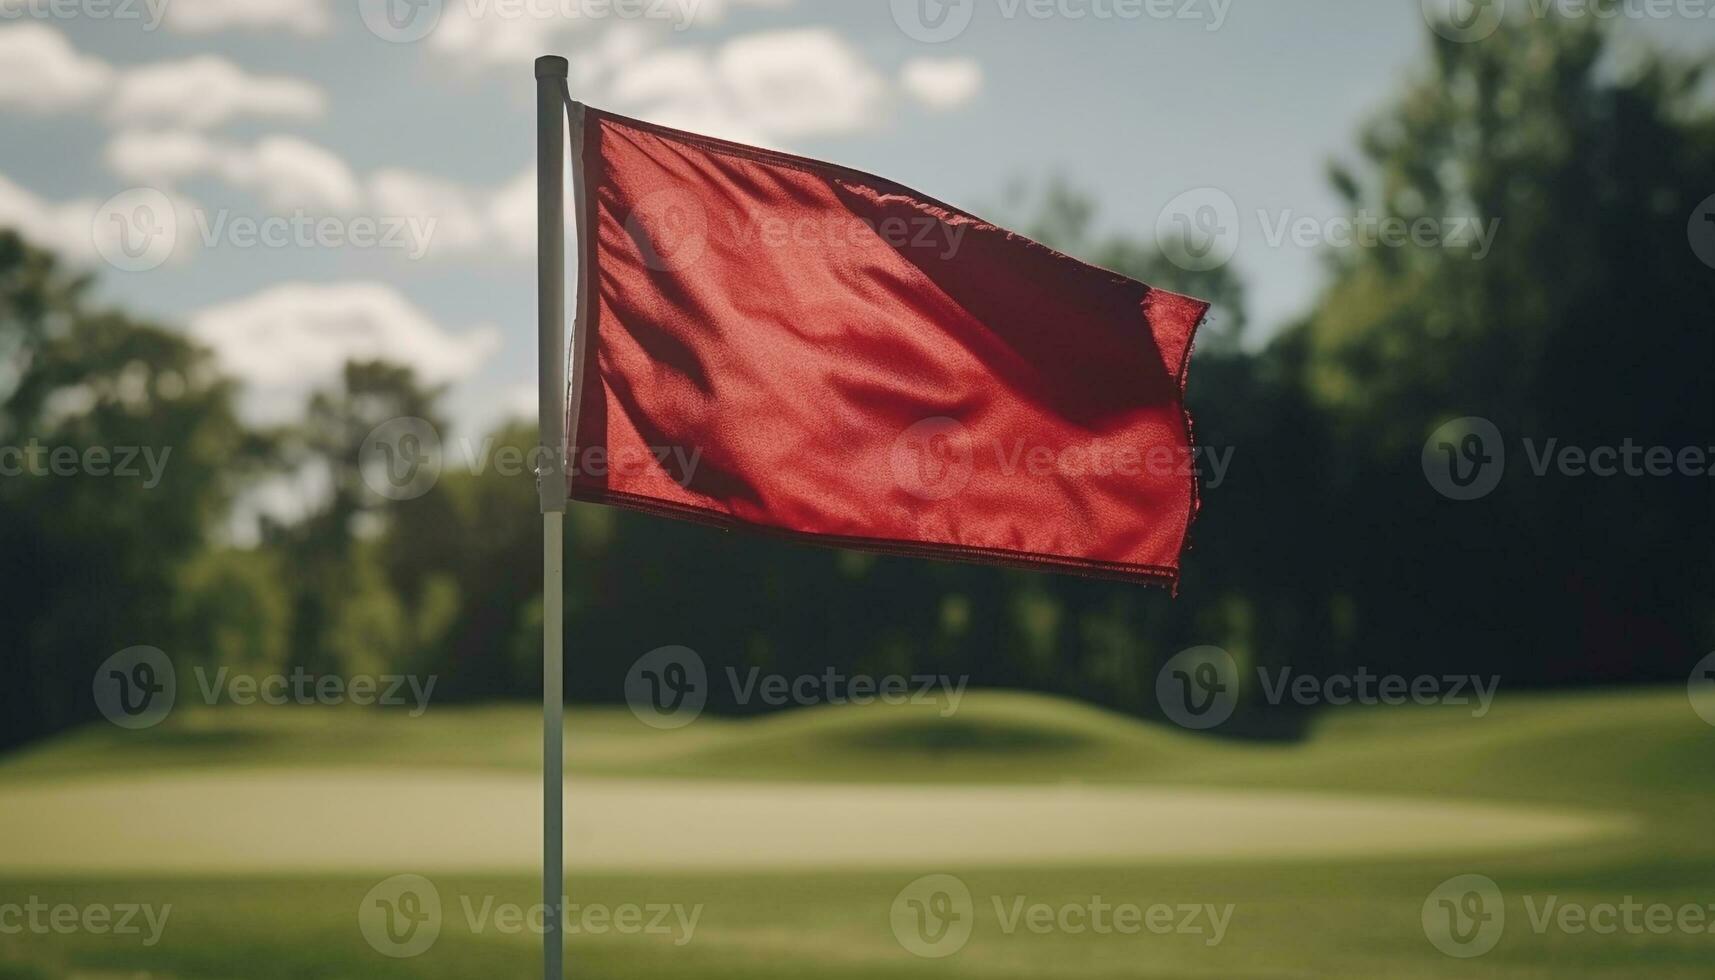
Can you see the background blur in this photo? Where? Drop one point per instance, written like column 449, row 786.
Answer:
column 1462, row 256
column 1578, row 150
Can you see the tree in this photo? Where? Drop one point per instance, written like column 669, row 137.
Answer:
column 353, row 609
column 121, row 454
column 1587, row 323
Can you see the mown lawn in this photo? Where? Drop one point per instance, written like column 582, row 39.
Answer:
column 1642, row 753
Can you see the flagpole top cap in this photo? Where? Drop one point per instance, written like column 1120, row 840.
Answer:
column 552, row 66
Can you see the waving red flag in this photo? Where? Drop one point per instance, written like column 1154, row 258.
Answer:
column 796, row 347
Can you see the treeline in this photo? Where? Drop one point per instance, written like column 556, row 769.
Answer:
column 1326, row 547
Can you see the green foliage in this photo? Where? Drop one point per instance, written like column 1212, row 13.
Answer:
column 1588, row 323
column 350, row 613
column 94, row 547
column 233, row 611
column 1586, row 320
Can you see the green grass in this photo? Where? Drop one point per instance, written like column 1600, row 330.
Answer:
column 1639, row 752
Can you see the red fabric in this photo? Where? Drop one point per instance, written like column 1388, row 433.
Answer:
column 845, row 360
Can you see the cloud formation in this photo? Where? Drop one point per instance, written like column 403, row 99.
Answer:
column 496, row 34
column 285, row 172
column 942, row 83
column 291, row 338
column 206, row 91
column 306, row 18
column 41, row 73
column 62, row 227
column 762, row 88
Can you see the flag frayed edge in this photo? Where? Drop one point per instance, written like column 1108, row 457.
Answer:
column 1184, row 379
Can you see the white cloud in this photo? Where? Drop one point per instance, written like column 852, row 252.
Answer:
column 482, row 220
column 206, row 91
column 757, row 88
column 512, row 213
column 83, row 231
column 470, row 221
column 305, row 18
column 41, row 72
column 768, row 87
column 763, row 88
column 680, row 88
column 707, row 13
column 65, row 228
column 291, row 338
column 460, row 220
column 521, row 401
column 507, row 33
column 287, row 173
column 800, row 82
column 617, row 46
column 495, row 35
column 665, row 76
column 163, row 157
column 942, row 83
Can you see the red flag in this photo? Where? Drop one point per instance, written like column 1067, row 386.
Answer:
column 792, row 346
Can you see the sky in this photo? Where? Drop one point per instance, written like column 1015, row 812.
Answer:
column 297, row 182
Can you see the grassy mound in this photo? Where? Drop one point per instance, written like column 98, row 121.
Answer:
column 1586, row 748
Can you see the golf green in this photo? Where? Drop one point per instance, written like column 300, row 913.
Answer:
column 873, row 842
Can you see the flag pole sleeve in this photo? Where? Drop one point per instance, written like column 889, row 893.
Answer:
column 551, row 75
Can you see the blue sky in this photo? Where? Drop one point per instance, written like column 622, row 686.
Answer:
column 235, row 112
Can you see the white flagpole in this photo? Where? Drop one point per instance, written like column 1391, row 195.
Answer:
column 551, row 75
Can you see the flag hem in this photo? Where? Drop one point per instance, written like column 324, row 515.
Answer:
column 1088, row 567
